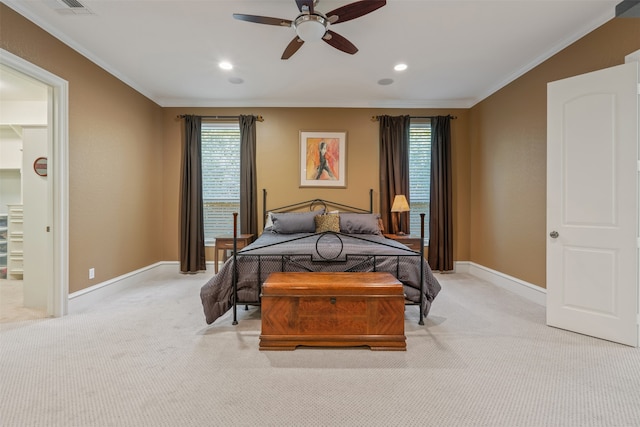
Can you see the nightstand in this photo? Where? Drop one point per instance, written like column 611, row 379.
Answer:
column 411, row 241
column 225, row 243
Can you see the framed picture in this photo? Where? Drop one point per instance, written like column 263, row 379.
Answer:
column 323, row 159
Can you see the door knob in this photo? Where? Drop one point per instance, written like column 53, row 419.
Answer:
column 554, row 234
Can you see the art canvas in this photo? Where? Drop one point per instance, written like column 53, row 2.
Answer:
column 322, row 159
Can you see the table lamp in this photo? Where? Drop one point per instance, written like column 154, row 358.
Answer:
column 400, row 205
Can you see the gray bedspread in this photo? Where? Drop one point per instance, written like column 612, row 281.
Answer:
column 315, row 252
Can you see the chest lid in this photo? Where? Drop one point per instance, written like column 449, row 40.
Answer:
column 329, row 283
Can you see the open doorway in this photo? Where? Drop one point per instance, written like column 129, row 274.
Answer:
column 42, row 121
column 24, row 104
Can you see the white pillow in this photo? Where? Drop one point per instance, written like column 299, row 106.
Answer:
column 268, row 225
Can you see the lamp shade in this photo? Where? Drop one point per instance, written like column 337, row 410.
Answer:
column 400, row 204
column 310, row 27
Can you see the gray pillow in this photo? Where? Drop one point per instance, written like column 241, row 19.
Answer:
column 359, row 223
column 294, row 222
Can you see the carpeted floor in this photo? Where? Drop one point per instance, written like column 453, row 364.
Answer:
column 147, row 358
column 12, row 307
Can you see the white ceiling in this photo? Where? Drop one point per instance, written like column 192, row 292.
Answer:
column 458, row 51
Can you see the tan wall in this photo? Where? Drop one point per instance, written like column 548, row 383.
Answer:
column 508, row 155
column 124, row 165
column 115, row 140
column 125, row 151
column 278, row 164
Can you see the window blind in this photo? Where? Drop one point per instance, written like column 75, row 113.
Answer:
column 220, row 177
column 419, row 176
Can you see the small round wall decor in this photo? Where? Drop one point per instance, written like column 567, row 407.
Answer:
column 40, row 166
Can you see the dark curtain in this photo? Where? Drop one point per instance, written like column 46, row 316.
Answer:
column 441, row 215
column 192, row 254
column 248, row 182
column 394, row 167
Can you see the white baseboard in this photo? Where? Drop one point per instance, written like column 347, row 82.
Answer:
column 84, row 299
column 524, row 289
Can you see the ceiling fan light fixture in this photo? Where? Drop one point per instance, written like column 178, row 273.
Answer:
column 310, row 27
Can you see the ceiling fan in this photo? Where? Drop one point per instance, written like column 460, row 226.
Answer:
column 313, row 25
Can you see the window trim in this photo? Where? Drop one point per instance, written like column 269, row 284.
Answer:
column 211, row 230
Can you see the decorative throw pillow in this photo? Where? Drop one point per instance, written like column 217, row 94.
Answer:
column 328, row 222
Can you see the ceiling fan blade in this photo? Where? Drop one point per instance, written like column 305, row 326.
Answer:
column 308, row 3
column 292, row 48
column 263, row 20
column 355, row 10
column 339, row 42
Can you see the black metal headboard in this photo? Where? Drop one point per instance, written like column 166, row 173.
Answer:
column 312, row 204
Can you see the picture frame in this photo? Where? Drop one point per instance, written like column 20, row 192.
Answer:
column 323, row 159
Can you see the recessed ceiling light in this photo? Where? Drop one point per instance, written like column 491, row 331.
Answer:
column 385, row 82
column 225, row 65
column 400, row 67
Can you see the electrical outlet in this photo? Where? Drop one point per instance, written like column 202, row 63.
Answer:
column 92, row 273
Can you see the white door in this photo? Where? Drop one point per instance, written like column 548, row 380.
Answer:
column 592, row 204
column 37, row 281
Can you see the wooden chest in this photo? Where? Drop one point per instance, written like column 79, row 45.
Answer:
column 332, row 310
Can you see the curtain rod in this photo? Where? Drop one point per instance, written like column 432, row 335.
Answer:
column 375, row 118
column 258, row 118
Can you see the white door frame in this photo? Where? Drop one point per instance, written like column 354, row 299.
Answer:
column 58, row 149
column 635, row 57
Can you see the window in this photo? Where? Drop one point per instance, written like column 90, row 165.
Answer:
column 220, row 178
column 419, row 176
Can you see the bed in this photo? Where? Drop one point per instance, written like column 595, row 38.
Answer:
column 324, row 236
